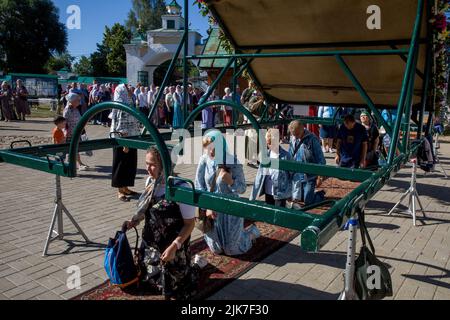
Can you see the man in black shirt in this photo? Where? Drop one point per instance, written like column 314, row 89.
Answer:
column 352, row 144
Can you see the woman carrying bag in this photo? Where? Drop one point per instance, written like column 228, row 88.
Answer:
column 165, row 255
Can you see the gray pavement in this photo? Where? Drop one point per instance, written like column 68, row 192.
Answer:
column 418, row 256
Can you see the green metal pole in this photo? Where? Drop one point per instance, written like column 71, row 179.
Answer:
column 301, row 54
column 216, row 82
column 409, row 103
column 363, row 94
column 405, row 85
column 234, row 84
column 243, row 67
column 185, row 61
column 169, row 72
column 428, row 64
column 265, row 111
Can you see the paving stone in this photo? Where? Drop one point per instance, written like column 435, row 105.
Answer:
column 6, row 285
column 20, row 289
column 48, row 295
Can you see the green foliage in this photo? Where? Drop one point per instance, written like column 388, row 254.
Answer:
column 145, row 15
column 114, row 40
column 84, row 66
column 110, row 58
column 59, row 61
column 30, row 32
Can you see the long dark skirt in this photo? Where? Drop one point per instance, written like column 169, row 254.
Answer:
column 124, row 168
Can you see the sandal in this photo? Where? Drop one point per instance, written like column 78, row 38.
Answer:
column 123, row 198
column 129, row 192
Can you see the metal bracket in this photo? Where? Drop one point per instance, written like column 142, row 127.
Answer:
column 172, row 178
column 19, row 141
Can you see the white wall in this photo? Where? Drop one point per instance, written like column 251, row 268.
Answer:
column 156, row 55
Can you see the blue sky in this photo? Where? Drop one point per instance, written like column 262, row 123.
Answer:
column 96, row 14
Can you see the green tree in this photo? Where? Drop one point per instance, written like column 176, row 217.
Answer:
column 59, row 61
column 110, row 57
column 30, row 33
column 145, row 15
column 83, row 66
column 98, row 61
column 116, row 59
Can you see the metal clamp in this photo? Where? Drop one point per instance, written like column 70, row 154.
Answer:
column 172, row 178
column 56, row 159
column 19, row 141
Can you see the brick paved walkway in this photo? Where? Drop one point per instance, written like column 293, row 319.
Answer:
column 419, row 256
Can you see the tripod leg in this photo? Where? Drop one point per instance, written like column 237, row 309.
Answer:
column 50, row 231
column 413, row 206
column 398, row 203
column 420, row 204
column 75, row 223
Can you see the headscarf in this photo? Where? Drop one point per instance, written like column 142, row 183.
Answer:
column 223, row 155
column 71, row 97
column 146, row 200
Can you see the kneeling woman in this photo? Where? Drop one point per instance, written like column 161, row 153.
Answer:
column 228, row 235
column 165, row 255
column 275, row 184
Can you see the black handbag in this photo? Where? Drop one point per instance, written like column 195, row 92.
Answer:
column 372, row 278
column 202, row 222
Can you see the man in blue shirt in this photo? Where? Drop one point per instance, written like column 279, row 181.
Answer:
column 305, row 147
column 352, row 144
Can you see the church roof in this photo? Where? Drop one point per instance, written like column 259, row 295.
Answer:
column 213, row 46
column 174, row 3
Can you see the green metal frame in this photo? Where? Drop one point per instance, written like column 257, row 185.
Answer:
column 316, row 229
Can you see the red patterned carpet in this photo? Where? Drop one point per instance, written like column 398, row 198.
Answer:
column 221, row 269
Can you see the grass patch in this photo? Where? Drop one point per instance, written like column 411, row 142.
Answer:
column 42, row 111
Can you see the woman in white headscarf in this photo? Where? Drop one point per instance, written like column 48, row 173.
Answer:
column 124, row 159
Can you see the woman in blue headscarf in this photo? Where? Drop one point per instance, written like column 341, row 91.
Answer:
column 214, row 174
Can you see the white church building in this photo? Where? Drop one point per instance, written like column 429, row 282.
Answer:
column 145, row 56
